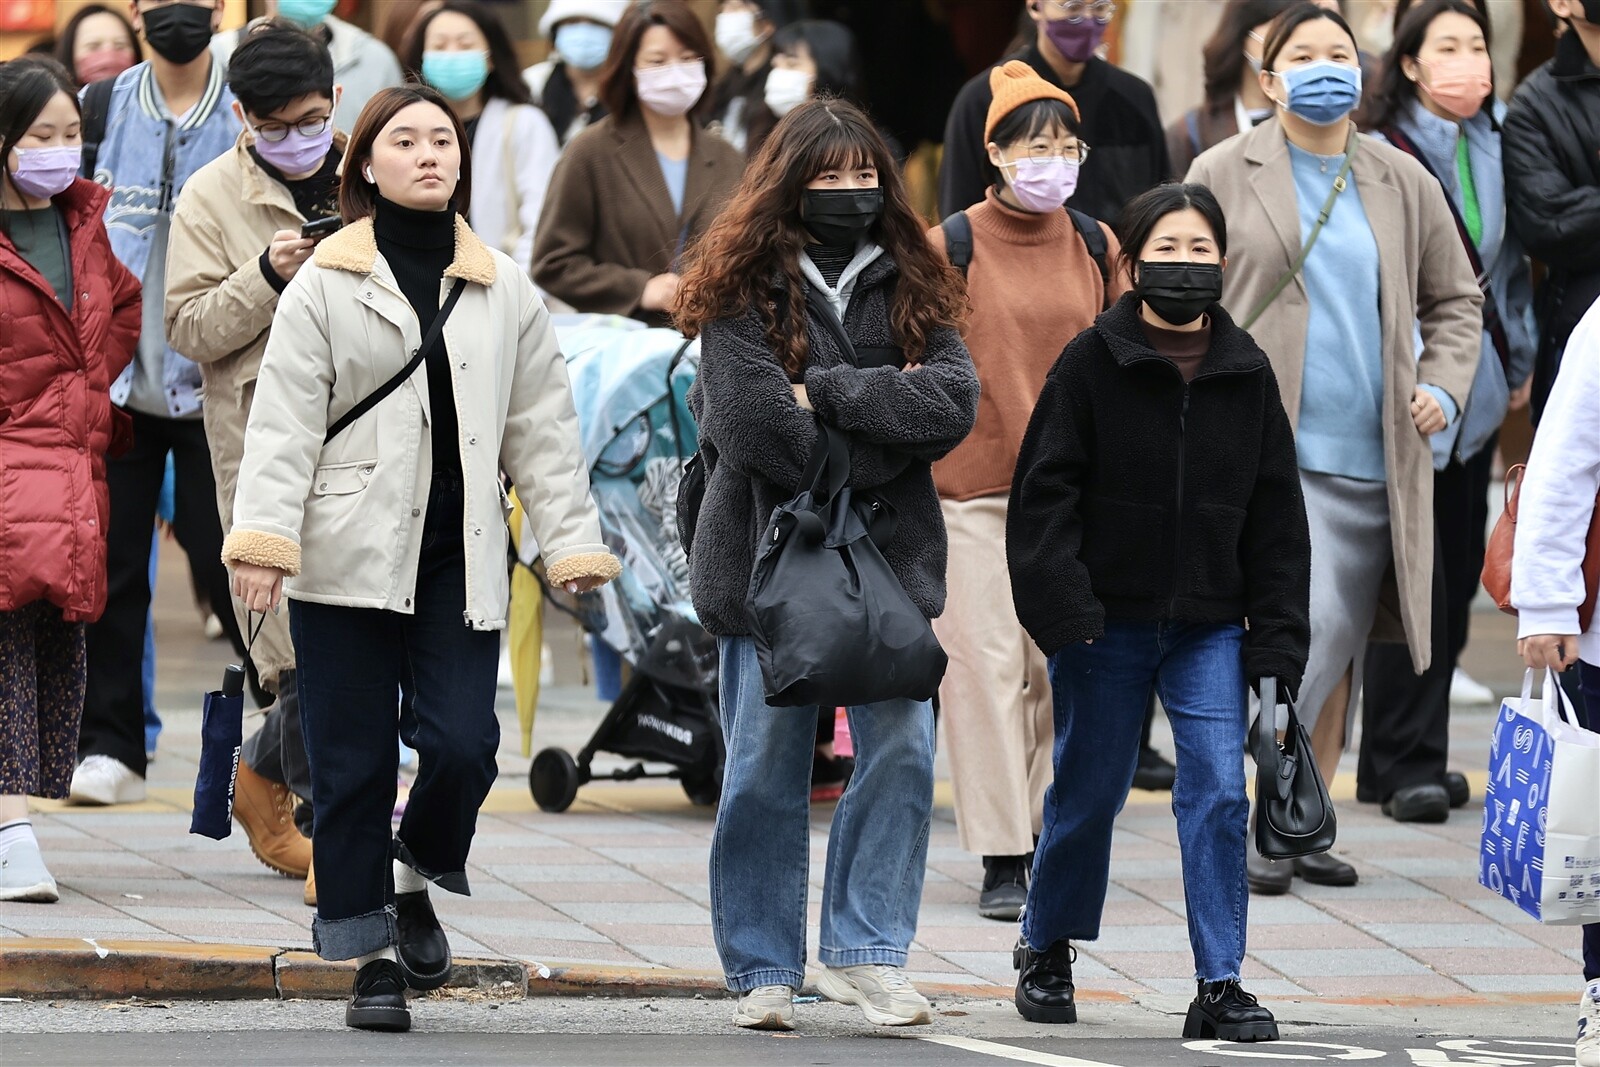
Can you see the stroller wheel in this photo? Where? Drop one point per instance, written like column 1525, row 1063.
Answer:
column 702, row 790
column 553, row 779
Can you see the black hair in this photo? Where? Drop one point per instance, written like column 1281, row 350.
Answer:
column 27, row 84
column 1403, row 6
column 276, row 65
column 833, row 50
column 505, row 71
column 1395, row 90
column 1145, row 211
column 1291, row 20
column 1223, row 55
column 1025, row 122
column 67, row 43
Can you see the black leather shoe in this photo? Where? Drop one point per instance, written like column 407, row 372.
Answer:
column 1323, row 869
column 1455, row 784
column 379, row 999
column 424, row 950
column 1225, row 1012
column 1268, row 878
column 1154, row 772
column 1005, row 888
column 1427, row 802
column 1044, row 988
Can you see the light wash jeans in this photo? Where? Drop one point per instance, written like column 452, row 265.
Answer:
column 1101, row 692
column 760, row 854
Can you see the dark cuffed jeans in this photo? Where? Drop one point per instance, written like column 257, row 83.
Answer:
column 352, row 661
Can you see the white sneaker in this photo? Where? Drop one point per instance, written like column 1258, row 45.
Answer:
column 883, row 993
column 23, row 876
column 213, row 628
column 768, row 1007
column 105, row 780
column 1587, row 1048
column 1466, row 690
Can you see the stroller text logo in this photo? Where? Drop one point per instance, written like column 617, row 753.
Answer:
column 661, row 726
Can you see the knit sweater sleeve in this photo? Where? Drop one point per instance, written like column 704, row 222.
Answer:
column 1054, row 598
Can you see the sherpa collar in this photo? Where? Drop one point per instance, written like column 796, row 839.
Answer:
column 355, row 249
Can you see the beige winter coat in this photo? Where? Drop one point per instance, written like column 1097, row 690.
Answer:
column 345, row 520
column 1425, row 280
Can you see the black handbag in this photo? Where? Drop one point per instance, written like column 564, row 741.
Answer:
column 1294, row 815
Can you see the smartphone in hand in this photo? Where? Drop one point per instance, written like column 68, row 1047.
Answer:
column 317, row 229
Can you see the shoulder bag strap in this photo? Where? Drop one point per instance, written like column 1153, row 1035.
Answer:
column 1094, row 239
column 830, row 320
column 373, row 399
column 1340, row 181
column 1491, row 309
column 96, row 109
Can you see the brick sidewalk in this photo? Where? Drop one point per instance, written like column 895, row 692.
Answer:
column 621, row 877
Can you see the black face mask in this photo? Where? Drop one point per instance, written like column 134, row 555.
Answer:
column 178, row 32
column 839, row 217
column 1179, row 292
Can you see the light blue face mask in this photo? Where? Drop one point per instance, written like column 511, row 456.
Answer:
column 458, row 75
column 306, row 13
column 583, row 44
column 1323, row 92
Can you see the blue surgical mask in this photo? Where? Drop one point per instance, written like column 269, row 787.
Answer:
column 1323, row 92
column 458, row 75
column 583, row 44
column 306, row 13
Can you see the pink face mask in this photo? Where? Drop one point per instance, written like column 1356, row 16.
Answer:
column 1043, row 185
column 44, row 172
column 671, row 89
column 106, row 63
column 1459, row 84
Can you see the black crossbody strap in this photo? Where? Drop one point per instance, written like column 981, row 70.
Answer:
column 376, row 397
column 1094, row 239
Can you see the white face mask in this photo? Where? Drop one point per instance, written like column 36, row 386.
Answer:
column 736, row 35
column 786, row 90
column 671, row 89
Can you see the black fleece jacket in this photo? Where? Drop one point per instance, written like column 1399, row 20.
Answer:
column 757, row 439
column 1139, row 497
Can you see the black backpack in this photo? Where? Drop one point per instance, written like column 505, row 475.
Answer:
column 958, row 245
column 96, row 107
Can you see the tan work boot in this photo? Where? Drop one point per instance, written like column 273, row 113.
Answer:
column 266, row 811
column 311, row 887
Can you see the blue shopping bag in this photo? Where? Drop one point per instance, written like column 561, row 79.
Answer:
column 1540, row 847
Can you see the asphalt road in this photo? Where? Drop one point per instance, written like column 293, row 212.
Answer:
column 669, row 1033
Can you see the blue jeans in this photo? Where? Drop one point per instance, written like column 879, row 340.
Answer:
column 760, row 854
column 1101, row 691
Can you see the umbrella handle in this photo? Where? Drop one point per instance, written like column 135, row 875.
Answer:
column 233, row 681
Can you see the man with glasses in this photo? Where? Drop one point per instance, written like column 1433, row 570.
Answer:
column 161, row 121
column 237, row 242
column 1118, row 109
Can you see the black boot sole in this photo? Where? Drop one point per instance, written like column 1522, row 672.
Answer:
column 1200, row 1025
column 1002, row 909
column 423, row 983
column 381, row 1018
column 1425, row 811
column 1038, row 1013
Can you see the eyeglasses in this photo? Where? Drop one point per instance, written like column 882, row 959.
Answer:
column 277, row 131
column 1077, row 153
column 1102, row 10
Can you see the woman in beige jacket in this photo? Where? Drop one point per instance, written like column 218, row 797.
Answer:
column 1342, row 338
column 391, row 533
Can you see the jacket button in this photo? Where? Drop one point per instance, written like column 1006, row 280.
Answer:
column 84, row 297
column 463, row 366
column 323, row 487
column 79, row 372
column 475, row 533
column 80, row 450
column 408, row 602
column 472, row 440
column 415, row 512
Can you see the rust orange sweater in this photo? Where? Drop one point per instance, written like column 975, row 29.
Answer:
column 1033, row 288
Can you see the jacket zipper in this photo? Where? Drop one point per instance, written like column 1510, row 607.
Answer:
column 1177, row 533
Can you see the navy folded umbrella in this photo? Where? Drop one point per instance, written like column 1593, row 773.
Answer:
column 221, row 735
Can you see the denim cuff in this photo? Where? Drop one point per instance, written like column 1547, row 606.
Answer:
column 743, row 983
column 856, row 957
column 453, row 881
column 345, row 939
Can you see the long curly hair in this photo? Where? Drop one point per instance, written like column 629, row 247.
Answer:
column 730, row 267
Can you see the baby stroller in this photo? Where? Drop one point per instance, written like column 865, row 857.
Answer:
column 629, row 385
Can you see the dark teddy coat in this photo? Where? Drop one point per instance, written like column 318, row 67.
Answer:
column 1103, row 523
column 759, row 439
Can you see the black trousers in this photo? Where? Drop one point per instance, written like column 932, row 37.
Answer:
column 113, row 708
column 1405, row 718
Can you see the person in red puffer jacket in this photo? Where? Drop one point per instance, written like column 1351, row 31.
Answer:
column 69, row 320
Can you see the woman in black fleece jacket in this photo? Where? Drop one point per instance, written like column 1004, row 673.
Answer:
column 1155, row 515
column 821, row 208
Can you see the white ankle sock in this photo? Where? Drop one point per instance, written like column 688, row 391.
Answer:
column 1594, row 986
column 15, row 833
column 381, row 954
column 407, row 880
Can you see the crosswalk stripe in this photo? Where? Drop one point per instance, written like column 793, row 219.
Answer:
column 1012, row 1052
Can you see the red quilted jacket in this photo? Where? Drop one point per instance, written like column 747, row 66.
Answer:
column 56, row 370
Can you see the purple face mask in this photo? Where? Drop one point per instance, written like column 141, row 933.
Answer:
column 296, row 153
column 1076, row 41
column 1042, row 185
column 44, row 172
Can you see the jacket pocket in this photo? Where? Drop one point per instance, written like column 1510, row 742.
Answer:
column 342, row 479
column 1212, row 568
column 1126, row 548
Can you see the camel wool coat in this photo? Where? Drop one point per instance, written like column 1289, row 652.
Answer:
column 1425, row 280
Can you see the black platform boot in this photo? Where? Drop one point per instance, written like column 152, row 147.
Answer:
column 378, row 1001
column 1223, row 1010
column 1044, row 988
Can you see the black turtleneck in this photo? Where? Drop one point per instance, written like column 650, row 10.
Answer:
column 419, row 246
column 831, row 260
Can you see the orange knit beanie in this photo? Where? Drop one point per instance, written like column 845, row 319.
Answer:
column 1014, row 84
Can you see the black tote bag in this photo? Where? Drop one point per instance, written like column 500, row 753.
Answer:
column 1294, row 815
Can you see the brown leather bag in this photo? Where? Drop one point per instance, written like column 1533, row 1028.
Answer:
column 1497, row 558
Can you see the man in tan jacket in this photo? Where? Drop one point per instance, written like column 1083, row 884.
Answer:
column 236, row 243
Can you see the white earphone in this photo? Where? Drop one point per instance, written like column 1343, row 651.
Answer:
column 366, row 172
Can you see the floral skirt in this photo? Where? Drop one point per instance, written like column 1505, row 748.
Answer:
column 42, row 674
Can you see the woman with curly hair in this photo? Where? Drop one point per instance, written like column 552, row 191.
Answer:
column 821, row 209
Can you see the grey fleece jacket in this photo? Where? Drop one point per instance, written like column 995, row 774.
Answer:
column 757, row 439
